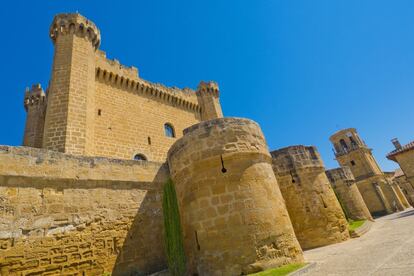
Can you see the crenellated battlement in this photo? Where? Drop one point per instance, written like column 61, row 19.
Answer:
column 34, row 96
column 74, row 23
column 114, row 66
column 340, row 174
column 291, row 158
column 209, row 87
column 112, row 72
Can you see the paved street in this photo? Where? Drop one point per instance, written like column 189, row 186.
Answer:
column 387, row 249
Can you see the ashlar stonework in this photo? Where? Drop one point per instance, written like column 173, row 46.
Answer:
column 68, row 215
column 343, row 183
column 315, row 212
column 404, row 178
column 234, row 217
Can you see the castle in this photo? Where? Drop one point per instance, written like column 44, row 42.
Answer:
column 84, row 194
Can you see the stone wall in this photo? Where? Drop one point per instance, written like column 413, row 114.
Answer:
column 406, row 161
column 406, row 187
column 67, row 215
column 374, row 197
column 343, row 183
column 315, row 212
column 129, row 123
column 233, row 215
column 399, row 194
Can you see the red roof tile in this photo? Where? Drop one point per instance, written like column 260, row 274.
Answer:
column 404, row 148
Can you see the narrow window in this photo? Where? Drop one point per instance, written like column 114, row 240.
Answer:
column 353, row 142
column 344, row 145
column 99, row 112
column 197, row 242
column 140, row 157
column 323, row 202
column 149, row 140
column 337, row 147
column 169, row 130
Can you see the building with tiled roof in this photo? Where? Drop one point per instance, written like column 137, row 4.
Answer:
column 407, row 188
column 404, row 156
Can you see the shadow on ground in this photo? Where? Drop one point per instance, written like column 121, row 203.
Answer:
column 405, row 214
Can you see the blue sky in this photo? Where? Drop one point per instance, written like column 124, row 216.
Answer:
column 302, row 69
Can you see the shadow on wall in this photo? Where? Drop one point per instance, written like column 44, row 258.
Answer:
column 115, row 226
column 143, row 251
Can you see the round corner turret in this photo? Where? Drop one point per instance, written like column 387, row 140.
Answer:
column 338, row 174
column 208, row 100
column 34, row 96
column 296, row 157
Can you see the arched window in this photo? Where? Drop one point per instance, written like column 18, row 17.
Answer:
column 140, row 157
column 169, row 130
column 353, row 142
column 344, row 145
column 337, row 148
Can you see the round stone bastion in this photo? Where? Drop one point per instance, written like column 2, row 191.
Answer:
column 316, row 214
column 343, row 183
column 233, row 216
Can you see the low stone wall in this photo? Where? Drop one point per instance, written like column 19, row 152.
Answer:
column 61, row 214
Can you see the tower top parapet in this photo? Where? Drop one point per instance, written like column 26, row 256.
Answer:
column 347, row 140
column 208, row 87
column 343, row 173
column 296, row 157
column 34, row 96
column 75, row 23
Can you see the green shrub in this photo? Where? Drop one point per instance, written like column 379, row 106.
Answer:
column 280, row 271
column 353, row 225
column 173, row 233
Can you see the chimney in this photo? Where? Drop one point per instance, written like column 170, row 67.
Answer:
column 396, row 143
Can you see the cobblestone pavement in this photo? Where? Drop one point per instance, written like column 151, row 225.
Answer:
column 387, row 249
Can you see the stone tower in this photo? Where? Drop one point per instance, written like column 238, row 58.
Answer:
column 35, row 106
column 70, row 113
column 343, row 183
column 351, row 151
column 316, row 214
column 233, row 215
column 208, row 100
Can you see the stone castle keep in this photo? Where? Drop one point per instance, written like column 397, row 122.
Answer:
column 83, row 196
